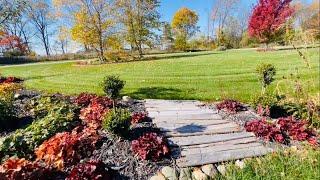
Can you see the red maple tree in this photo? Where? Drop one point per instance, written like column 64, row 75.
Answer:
column 12, row 42
column 267, row 18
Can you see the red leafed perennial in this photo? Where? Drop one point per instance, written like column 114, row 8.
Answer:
column 93, row 114
column 93, row 170
column 150, row 146
column 10, row 80
column 14, row 169
column 283, row 130
column 67, row 148
column 232, row 106
column 138, row 117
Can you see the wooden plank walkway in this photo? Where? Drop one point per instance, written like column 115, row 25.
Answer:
column 198, row 135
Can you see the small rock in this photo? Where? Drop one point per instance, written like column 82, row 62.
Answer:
column 185, row 174
column 197, row 174
column 169, row 173
column 222, row 169
column 159, row 176
column 17, row 96
column 209, row 170
column 240, row 164
column 127, row 99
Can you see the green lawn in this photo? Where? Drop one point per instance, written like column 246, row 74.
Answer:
column 202, row 75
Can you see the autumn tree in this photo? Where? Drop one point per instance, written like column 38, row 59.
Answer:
column 140, row 18
column 184, row 24
column 9, row 9
column 12, row 44
column 94, row 22
column 40, row 16
column 312, row 22
column 267, row 19
column 220, row 13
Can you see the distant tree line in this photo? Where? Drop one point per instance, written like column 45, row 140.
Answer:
column 109, row 27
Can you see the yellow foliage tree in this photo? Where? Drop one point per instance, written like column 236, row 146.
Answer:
column 184, row 24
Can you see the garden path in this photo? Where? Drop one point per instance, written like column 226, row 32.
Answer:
column 198, row 135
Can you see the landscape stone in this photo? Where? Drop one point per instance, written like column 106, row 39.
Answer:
column 127, row 99
column 159, row 176
column 169, row 173
column 222, row 169
column 240, row 164
column 185, row 174
column 209, row 170
column 197, row 174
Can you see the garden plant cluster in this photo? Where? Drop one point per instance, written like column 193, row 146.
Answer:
column 65, row 131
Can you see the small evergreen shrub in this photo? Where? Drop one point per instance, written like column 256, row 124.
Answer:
column 266, row 73
column 112, row 85
column 117, row 122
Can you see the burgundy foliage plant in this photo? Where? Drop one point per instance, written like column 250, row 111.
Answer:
column 138, row 117
column 230, row 105
column 150, row 146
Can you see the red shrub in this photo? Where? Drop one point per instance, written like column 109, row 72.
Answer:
column 84, row 99
column 21, row 169
column 138, row 117
column 285, row 127
column 230, row 105
column 93, row 114
column 67, row 148
column 267, row 131
column 150, row 146
column 93, row 170
column 10, row 80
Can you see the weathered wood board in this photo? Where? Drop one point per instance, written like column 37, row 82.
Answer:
column 198, row 135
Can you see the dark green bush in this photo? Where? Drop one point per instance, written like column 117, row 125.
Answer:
column 23, row 141
column 266, row 73
column 117, row 122
column 112, row 85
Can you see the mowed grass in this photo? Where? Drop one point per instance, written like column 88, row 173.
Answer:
column 203, row 75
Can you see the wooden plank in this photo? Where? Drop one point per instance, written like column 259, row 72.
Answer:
column 214, row 157
column 206, row 132
column 179, row 112
column 196, row 122
column 188, row 116
column 205, row 139
column 224, row 147
column 229, row 142
column 190, row 128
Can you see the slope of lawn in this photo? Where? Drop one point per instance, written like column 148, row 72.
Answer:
column 201, row 75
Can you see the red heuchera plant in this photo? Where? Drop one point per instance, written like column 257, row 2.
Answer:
column 267, row 18
column 67, row 148
column 268, row 131
column 284, row 128
column 297, row 130
column 150, row 146
column 138, row 117
column 93, row 170
column 93, row 114
column 230, row 105
column 10, row 80
column 85, row 99
column 14, row 169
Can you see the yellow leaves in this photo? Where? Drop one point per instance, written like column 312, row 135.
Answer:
column 184, row 17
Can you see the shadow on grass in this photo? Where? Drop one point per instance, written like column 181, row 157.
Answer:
column 176, row 56
column 157, row 93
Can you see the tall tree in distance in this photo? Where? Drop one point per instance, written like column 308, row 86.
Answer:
column 184, row 24
column 140, row 18
column 167, row 36
column 267, row 19
column 9, row 9
column 40, row 15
